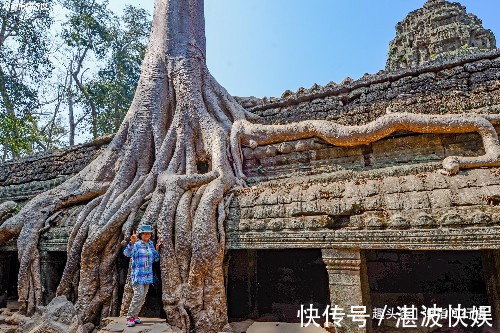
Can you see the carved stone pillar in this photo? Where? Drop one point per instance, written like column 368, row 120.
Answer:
column 345, row 282
column 491, row 267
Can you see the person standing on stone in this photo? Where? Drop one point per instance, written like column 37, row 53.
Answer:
column 143, row 253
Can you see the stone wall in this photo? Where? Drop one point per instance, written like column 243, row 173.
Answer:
column 22, row 179
column 463, row 85
column 403, row 207
column 388, row 194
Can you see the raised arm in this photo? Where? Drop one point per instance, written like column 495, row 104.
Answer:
column 130, row 249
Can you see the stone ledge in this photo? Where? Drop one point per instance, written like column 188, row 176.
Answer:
column 429, row 239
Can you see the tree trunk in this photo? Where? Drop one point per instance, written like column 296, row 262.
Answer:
column 71, row 115
column 179, row 116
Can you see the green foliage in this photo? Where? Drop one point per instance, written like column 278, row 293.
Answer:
column 87, row 24
column 119, row 45
column 392, row 50
column 113, row 88
column 464, row 50
column 92, row 64
column 24, row 65
column 86, row 38
column 18, row 133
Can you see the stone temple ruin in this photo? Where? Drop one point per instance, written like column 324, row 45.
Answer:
column 372, row 225
column 440, row 29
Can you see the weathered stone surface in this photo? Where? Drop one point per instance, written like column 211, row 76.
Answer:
column 24, row 178
column 8, row 322
column 384, row 207
column 7, row 207
column 389, row 189
column 58, row 316
column 7, row 328
column 440, row 29
column 307, row 193
column 344, row 276
column 150, row 325
column 15, row 319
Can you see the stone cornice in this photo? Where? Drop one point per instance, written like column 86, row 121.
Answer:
column 429, row 239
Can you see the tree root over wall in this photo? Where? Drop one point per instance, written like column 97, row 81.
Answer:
column 180, row 118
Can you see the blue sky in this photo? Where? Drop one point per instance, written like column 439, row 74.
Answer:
column 263, row 47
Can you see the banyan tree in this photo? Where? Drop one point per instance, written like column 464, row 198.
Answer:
column 181, row 118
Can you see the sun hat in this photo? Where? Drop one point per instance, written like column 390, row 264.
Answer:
column 144, row 228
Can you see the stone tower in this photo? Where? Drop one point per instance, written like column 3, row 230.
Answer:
column 440, row 29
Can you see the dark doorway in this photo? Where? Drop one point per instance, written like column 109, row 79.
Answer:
column 153, row 306
column 270, row 285
column 9, row 268
column 444, row 278
column 52, row 267
column 13, row 271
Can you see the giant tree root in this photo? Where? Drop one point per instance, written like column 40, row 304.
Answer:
column 252, row 135
column 186, row 208
column 176, row 122
column 180, row 123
